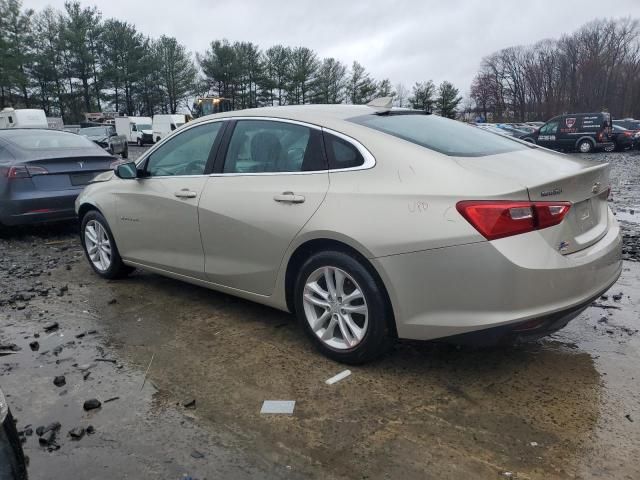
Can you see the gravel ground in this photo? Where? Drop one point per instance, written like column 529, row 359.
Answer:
column 145, row 347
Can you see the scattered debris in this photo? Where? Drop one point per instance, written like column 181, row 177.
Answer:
column 628, row 417
column 147, row 371
column 108, row 360
column 91, row 430
column 113, row 301
column 606, row 307
column 342, row 375
column 59, row 381
column 603, row 320
column 197, row 454
column 112, row 399
column 51, row 327
column 533, row 444
column 283, row 407
column 77, row 433
column 92, row 404
column 189, row 403
column 11, row 347
column 617, row 297
column 35, row 346
column 86, row 374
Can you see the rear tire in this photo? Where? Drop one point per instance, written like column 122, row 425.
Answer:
column 585, row 146
column 349, row 312
column 100, row 247
column 611, row 148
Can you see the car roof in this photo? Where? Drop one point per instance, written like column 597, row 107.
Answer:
column 322, row 115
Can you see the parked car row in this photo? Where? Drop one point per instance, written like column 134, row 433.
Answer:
column 582, row 132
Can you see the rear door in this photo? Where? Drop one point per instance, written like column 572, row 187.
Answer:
column 157, row 216
column 270, row 180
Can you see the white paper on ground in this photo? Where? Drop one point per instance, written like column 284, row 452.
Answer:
column 338, row 377
column 284, row 407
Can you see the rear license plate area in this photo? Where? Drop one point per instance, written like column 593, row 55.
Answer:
column 586, row 214
column 81, row 178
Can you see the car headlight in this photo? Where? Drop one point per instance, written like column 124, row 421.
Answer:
column 4, row 408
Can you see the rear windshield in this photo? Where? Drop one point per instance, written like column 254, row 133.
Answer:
column 94, row 131
column 449, row 137
column 47, row 139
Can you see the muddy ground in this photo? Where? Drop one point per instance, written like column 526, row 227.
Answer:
column 565, row 407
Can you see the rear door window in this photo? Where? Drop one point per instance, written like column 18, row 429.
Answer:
column 442, row 135
column 267, row 146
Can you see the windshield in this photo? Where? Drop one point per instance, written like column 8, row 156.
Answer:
column 449, row 137
column 94, row 131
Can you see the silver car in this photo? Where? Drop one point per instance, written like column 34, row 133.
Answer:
column 366, row 222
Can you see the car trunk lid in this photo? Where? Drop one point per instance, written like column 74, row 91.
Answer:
column 64, row 173
column 551, row 177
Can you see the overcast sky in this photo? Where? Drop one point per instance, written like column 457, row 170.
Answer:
column 404, row 40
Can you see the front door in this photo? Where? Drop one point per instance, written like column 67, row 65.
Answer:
column 548, row 135
column 273, row 179
column 157, row 215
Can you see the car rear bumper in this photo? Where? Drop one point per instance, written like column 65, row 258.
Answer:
column 456, row 290
column 36, row 207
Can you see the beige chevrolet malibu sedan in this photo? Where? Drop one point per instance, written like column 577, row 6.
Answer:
column 368, row 223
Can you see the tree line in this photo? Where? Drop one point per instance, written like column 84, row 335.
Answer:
column 596, row 68
column 72, row 61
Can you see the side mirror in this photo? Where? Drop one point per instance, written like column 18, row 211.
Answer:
column 126, row 171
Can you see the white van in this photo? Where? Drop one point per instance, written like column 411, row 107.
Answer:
column 23, row 118
column 136, row 129
column 163, row 125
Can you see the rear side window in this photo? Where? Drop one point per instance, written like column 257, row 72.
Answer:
column 267, row 146
column 445, row 136
column 342, row 154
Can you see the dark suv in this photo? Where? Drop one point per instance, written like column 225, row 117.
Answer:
column 583, row 132
column 629, row 124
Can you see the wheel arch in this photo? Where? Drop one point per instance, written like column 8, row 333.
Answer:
column 312, row 246
column 585, row 137
column 86, row 207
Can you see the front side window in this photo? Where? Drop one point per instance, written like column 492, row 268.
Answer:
column 442, row 135
column 185, row 154
column 549, row 128
column 266, row 146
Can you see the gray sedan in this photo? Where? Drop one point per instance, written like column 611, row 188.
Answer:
column 366, row 222
column 43, row 171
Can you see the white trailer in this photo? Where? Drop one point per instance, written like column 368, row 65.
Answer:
column 163, row 125
column 136, row 129
column 23, row 118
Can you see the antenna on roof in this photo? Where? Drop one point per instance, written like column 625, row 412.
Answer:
column 381, row 102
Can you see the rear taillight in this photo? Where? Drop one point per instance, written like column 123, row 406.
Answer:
column 499, row 219
column 23, row 171
column 628, row 134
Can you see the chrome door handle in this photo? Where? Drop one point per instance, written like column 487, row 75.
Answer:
column 289, row 197
column 184, row 193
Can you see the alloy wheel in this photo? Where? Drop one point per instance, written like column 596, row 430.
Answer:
column 96, row 241
column 335, row 307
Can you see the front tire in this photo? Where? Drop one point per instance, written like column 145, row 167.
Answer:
column 342, row 307
column 100, row 247
column 585, row 146
column 139, row 142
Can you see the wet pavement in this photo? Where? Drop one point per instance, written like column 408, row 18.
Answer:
column 565, row 407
